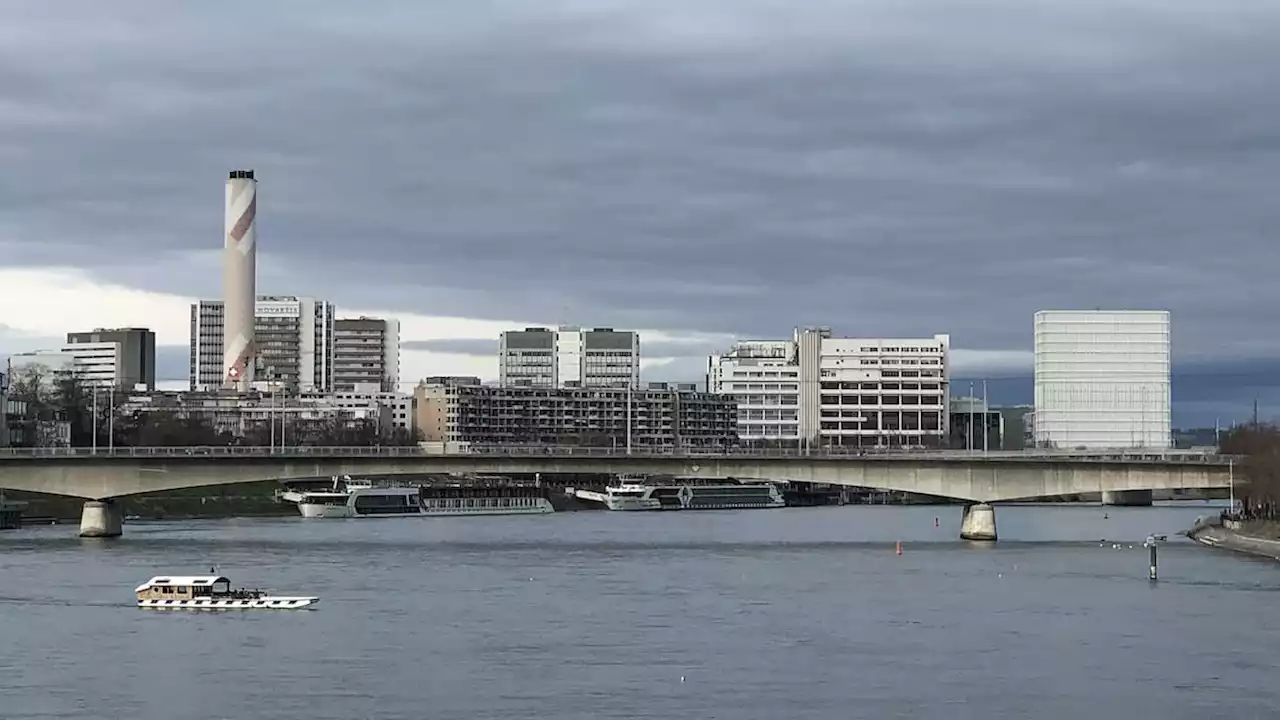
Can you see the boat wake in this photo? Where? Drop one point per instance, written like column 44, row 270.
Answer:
column 54, row 602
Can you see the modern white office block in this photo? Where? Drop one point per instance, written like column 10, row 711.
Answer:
column 1102, row 379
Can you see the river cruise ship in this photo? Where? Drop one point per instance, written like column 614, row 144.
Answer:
column 630, row 496
column 360, row 499
column 211, row 592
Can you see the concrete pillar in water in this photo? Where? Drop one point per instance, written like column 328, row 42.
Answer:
column 1127, row 497
column 101, row 518
column 979, row 523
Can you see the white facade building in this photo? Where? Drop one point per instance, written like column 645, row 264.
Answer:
column 293, row 337
column 399, row 405
column 569, row 357
column 837, row 391
column 97, row 363
column 1102, row 379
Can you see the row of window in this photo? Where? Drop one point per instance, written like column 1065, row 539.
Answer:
column 881, row 400
column 873, row 349
column 764, row 374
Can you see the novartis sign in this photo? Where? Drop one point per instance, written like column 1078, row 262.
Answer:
column 277, row 309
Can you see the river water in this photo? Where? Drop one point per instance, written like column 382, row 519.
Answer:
column 741, row 615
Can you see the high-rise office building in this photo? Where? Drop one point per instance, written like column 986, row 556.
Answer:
column 119, row 357
column 837, row 391
column 294, row 341
column 1102, row 379
column 569, row 357
column 366, row 355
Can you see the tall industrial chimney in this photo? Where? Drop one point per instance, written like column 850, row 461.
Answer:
column 239, row 272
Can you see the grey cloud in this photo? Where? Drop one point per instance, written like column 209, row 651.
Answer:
column 13, row 341
column 732, row 167
column 459, row 346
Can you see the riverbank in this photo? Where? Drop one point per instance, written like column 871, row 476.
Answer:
column 1260, row 538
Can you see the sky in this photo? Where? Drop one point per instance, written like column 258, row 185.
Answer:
column 698, row 170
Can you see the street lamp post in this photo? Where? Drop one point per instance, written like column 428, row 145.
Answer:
column 971, row 420
column 271, row 420
column 1231, row 483
column 94, row 421
column 986, row 417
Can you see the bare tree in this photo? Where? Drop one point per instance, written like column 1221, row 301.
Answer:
column 51, row 397
column 167, row 428
column 1259, row 444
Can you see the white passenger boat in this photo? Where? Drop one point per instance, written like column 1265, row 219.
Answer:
column 360, row 499
column 631, row 497
column 727, row 496
column 211, row 592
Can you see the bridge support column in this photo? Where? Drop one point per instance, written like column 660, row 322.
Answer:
column 1127, row 497
column 101, row 519
column 979, row 523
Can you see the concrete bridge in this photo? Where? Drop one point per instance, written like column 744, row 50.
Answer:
column 1123, row 477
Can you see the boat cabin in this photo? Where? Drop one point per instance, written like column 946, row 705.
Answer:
column 186, row 588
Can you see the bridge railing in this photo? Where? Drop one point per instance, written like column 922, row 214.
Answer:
column 306, row 452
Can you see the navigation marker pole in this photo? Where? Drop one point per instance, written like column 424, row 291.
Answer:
column 1152, row 544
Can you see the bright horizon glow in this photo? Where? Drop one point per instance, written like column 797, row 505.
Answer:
column 71, row 300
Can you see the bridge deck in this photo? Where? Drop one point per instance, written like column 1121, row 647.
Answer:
column 1136, row 455
column 977, row 476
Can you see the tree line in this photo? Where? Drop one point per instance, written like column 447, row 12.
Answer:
column 52, row 398
column 1258, row 473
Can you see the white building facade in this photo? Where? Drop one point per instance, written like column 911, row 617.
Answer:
column 1102, row 379
column 837, row 391
column 398, row 405
column 98, row 364
column 569, row 357
column 293, row 344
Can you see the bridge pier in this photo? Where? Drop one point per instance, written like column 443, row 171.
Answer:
column 979, row 523
column 1131, row 498
column 101, row 519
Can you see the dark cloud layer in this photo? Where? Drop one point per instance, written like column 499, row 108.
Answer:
column 1203, row 392
column 883, row 167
